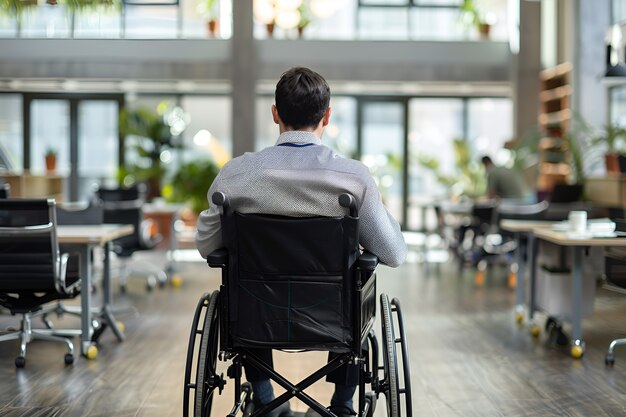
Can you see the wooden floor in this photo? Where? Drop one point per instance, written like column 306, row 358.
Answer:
column 468, row 356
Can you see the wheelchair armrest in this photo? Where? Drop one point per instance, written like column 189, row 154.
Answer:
column 218, row 258
column 367, row 261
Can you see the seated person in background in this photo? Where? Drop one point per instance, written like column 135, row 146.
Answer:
column 302, row 177
column 504, row 183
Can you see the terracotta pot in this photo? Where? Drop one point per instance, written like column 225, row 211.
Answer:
column 300, row 31
column 212, row 26
column 611, row 161
column 270, row 30
column 484, row 29
column 51, row 163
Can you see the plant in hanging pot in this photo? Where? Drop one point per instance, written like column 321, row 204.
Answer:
column 612, row 138
column 51, row 159
column 209, row 10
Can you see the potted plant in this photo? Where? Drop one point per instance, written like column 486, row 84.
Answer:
column 191, row 183
column 611, row 137
column 51, row 159
column 305, row 17
column 149, row 134
column 473, row 17
column 208, row 9
column 15, row 8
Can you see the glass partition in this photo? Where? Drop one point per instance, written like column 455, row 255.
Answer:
column 98, row 144
column 50, row 130
column 11, row 143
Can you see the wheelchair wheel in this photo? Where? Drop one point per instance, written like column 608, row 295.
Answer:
column 207, row 380
column 391, row 383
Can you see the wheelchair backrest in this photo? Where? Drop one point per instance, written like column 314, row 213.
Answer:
column 290, row 280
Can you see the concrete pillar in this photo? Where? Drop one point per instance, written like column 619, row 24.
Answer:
column 243, row 78
column 526, row 68
column 590, row 95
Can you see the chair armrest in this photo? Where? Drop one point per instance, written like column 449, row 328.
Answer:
column 367, row 261
column 218, row 258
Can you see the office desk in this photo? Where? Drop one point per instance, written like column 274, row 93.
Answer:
column 577, row 246
column 83, row 238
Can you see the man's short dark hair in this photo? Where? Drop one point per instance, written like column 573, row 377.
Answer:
column 302, row 97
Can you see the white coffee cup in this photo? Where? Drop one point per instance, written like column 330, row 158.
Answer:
column 578, row 221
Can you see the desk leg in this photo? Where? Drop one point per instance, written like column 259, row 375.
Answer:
column 85, row 303
column 578, row 346
column 532, row 257
column 107, row 314
column 172, row 267
column 519, row 285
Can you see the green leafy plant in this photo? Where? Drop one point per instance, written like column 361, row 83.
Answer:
column 15, row 8
column 472, row 16
column 191, row 184
column 207, row 9
column 612, row 136
column 50, row 151
column 469, row 178
column 149, row 134
column 90, row 5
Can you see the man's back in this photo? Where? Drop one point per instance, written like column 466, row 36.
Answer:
column 506, row 183
column 300, row 177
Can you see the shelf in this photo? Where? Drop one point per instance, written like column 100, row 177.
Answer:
column 555, row 118
column 558, row 93
column 560, row 70
column 553, row 144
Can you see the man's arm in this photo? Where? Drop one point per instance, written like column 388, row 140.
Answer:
column 380, row 233
column 209, row 227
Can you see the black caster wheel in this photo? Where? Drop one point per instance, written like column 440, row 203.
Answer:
column 69, row 359
column 609, row 360
column 123, row 289
column 20, row 361
column 98, row 332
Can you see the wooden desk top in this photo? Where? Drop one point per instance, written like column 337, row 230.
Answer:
column 561, row 238
column 525, row 225
column 93, row 234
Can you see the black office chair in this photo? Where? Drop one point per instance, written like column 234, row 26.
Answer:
column 294, row 283
column 496, row 245
column 90, row 214
column 33, row 272
column 124, row 206
column 5, row 190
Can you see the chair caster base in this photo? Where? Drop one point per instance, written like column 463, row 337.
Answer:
column 609, row 359
column 20, row 361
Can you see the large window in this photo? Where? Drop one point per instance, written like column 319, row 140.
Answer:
column 11, row 148
column 436, row 20
column 139, row 19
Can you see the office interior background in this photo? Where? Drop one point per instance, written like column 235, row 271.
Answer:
column 413, row 82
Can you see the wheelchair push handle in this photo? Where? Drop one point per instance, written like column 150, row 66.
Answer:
column 219, row 199
column 348, row 201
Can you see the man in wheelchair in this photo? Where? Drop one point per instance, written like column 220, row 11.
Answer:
column 301, row 177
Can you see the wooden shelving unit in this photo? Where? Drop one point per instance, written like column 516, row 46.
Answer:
column 554, row 120
column 35, row 186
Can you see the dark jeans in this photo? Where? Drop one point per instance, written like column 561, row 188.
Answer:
column 347, row 374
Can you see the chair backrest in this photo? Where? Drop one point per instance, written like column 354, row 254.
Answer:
column 30, row 261
column 91, row 214
column 290, row 279
column 123, row 206
column 566, row 193
column 522, row 211
column 5, row 190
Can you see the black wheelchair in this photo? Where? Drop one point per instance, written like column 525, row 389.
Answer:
column 294, row 284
